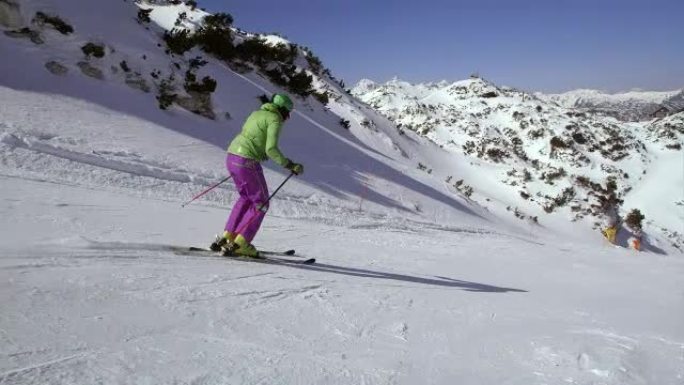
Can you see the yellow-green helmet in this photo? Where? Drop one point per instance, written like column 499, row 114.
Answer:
column 283, row 101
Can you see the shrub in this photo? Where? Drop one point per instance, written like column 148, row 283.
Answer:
column 527, row 176
column 208, row 85
column 55, row 21
column 321, row 97
column 579, row 138
column 557, row 142
column 634, row 219
column 197, row 62
column 276, row 76
column 263, row 98
column 300, row 84
column 144, row 15
column 192, row 4
column 345, row 123
column 553, row 175
column 124, row 66
column 315, row 64
column 179, row 41
column 181, row 17
column 166, row 95
column 496, row 154
column 260, row 53
column 215, row 36
column 92, row 49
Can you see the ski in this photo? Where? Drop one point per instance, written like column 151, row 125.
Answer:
column 289, row 253
column 265, row 256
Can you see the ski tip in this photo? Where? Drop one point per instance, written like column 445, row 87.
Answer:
column 192, row 248
column 309, row 261
column 289, row 252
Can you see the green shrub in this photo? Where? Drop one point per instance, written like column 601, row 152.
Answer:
column 144, row 15
column 315, row 63
column 197, row 62
column 496, row 154
column 321, row 97
column 181, row 17
column 276, row 76
column 579, row 138
column 166, row 95
column 55, row 21
column 557, row 142
column 634, row 219
column 263, row 98
column 179, row 41
column 345, row 123
column 257, row 51
column 92, row 49
column 215, row 36
column 300, row 83
column 208, row 85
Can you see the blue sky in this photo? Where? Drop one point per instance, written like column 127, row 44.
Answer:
column 545, row 45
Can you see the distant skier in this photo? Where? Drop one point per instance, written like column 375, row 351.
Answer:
column 610, row 220
column 635, row 239
column 257, row 142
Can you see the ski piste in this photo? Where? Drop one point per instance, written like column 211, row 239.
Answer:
column 266, row 256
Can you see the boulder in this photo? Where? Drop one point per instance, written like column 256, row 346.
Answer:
column 198, row 103
column 88, row 70
column 10, row 14
column 26, row 33
column 56, row 68
column 136, row 81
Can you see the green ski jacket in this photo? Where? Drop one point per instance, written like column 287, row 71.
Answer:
column 258, row 139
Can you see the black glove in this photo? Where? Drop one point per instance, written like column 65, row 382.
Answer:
column 295, row 168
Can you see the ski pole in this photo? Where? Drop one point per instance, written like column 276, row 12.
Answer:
column 276, row 191
column 206, row 191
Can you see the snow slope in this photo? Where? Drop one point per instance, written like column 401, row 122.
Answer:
column 416, row 283
column 104, row 300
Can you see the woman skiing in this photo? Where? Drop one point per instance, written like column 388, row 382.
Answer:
column 257, row 142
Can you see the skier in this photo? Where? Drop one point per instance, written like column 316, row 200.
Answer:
column 635, row 239
column 610, row 220
column 257, row 142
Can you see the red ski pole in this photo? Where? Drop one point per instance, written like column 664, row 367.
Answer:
column 206, row 191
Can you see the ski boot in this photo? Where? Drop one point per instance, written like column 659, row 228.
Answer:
column 241, row 247
column 221, row 241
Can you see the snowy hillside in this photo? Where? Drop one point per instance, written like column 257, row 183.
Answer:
column 541, row 158
column 432, row 267
column 627, row 106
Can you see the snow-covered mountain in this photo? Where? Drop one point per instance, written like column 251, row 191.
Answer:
column 462, row 233
column 547, row 156
column 627, row 106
